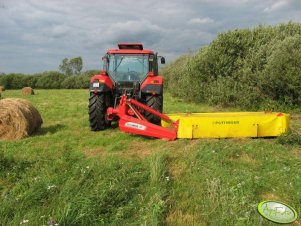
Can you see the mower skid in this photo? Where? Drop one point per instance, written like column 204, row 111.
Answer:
column 136, row 126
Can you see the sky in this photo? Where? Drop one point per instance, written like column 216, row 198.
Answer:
column 35, row 35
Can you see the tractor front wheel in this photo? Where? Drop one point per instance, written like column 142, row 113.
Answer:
column 97, row 111
column 156, row 103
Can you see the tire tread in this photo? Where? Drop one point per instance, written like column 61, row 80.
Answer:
column 97, row 111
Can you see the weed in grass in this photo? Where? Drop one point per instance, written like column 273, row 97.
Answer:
column 158, row 182
column 291, row 138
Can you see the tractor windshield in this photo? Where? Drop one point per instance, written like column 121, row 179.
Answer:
column 128, row 67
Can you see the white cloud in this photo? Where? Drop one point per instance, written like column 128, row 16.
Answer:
column 278, row 5
column 225, row 2
column 205, row 20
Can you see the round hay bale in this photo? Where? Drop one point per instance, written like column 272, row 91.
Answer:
column 2, row 89
column 18, row 119
column 27, row 91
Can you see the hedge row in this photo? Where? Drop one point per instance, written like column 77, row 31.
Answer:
column 249, row 69
column 47, row 80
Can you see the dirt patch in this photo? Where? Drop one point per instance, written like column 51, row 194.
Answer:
column 144, row 149
column 90, row 153
column 296, row 152
column 178, row 218
column 176, row 169
column 4, row 183
column 245, row 158
column 295, row 116
column 271, row 196
column 242, row 140
column 192, row 144
column 177, row 150
column 136, row 149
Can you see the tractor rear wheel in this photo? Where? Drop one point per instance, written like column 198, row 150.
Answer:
column 97, row 111
column 156, row 103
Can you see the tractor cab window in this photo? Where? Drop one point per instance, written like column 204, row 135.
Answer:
column 128, row 67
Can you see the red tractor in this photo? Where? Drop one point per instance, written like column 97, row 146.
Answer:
column 127, row 71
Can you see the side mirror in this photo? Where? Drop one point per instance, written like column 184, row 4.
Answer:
column 162, row 60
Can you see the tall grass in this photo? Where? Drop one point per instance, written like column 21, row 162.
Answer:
column 158, row 183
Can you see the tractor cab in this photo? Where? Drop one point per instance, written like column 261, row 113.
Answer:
column 129, row 66
column 130, row 62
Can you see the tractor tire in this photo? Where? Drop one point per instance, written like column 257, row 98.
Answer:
column 156, row 103
column 97, row 111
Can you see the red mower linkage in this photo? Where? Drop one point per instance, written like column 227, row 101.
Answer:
column 132, row 121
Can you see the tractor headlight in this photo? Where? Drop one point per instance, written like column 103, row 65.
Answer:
column 96, row 84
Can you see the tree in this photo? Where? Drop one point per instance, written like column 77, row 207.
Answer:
column 76, row 64
column 72, row 66
column 65, row 67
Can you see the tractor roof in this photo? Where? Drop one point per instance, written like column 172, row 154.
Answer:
column 130, row 48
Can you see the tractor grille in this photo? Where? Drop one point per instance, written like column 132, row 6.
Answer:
column 127, row 85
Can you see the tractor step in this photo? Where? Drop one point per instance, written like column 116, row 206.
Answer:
column 230, row 124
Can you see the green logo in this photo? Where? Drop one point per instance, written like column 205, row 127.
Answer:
column 277, row 212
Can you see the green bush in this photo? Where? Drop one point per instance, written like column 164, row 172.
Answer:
column 282, row 74
column 50, row 80
column 47, row 80
column 251, row 69
column 12, row 81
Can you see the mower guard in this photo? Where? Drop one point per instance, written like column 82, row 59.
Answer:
column 230, row 124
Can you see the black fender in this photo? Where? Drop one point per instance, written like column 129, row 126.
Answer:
column 152, row 89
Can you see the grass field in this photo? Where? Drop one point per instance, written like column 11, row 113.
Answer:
column 68, row 175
